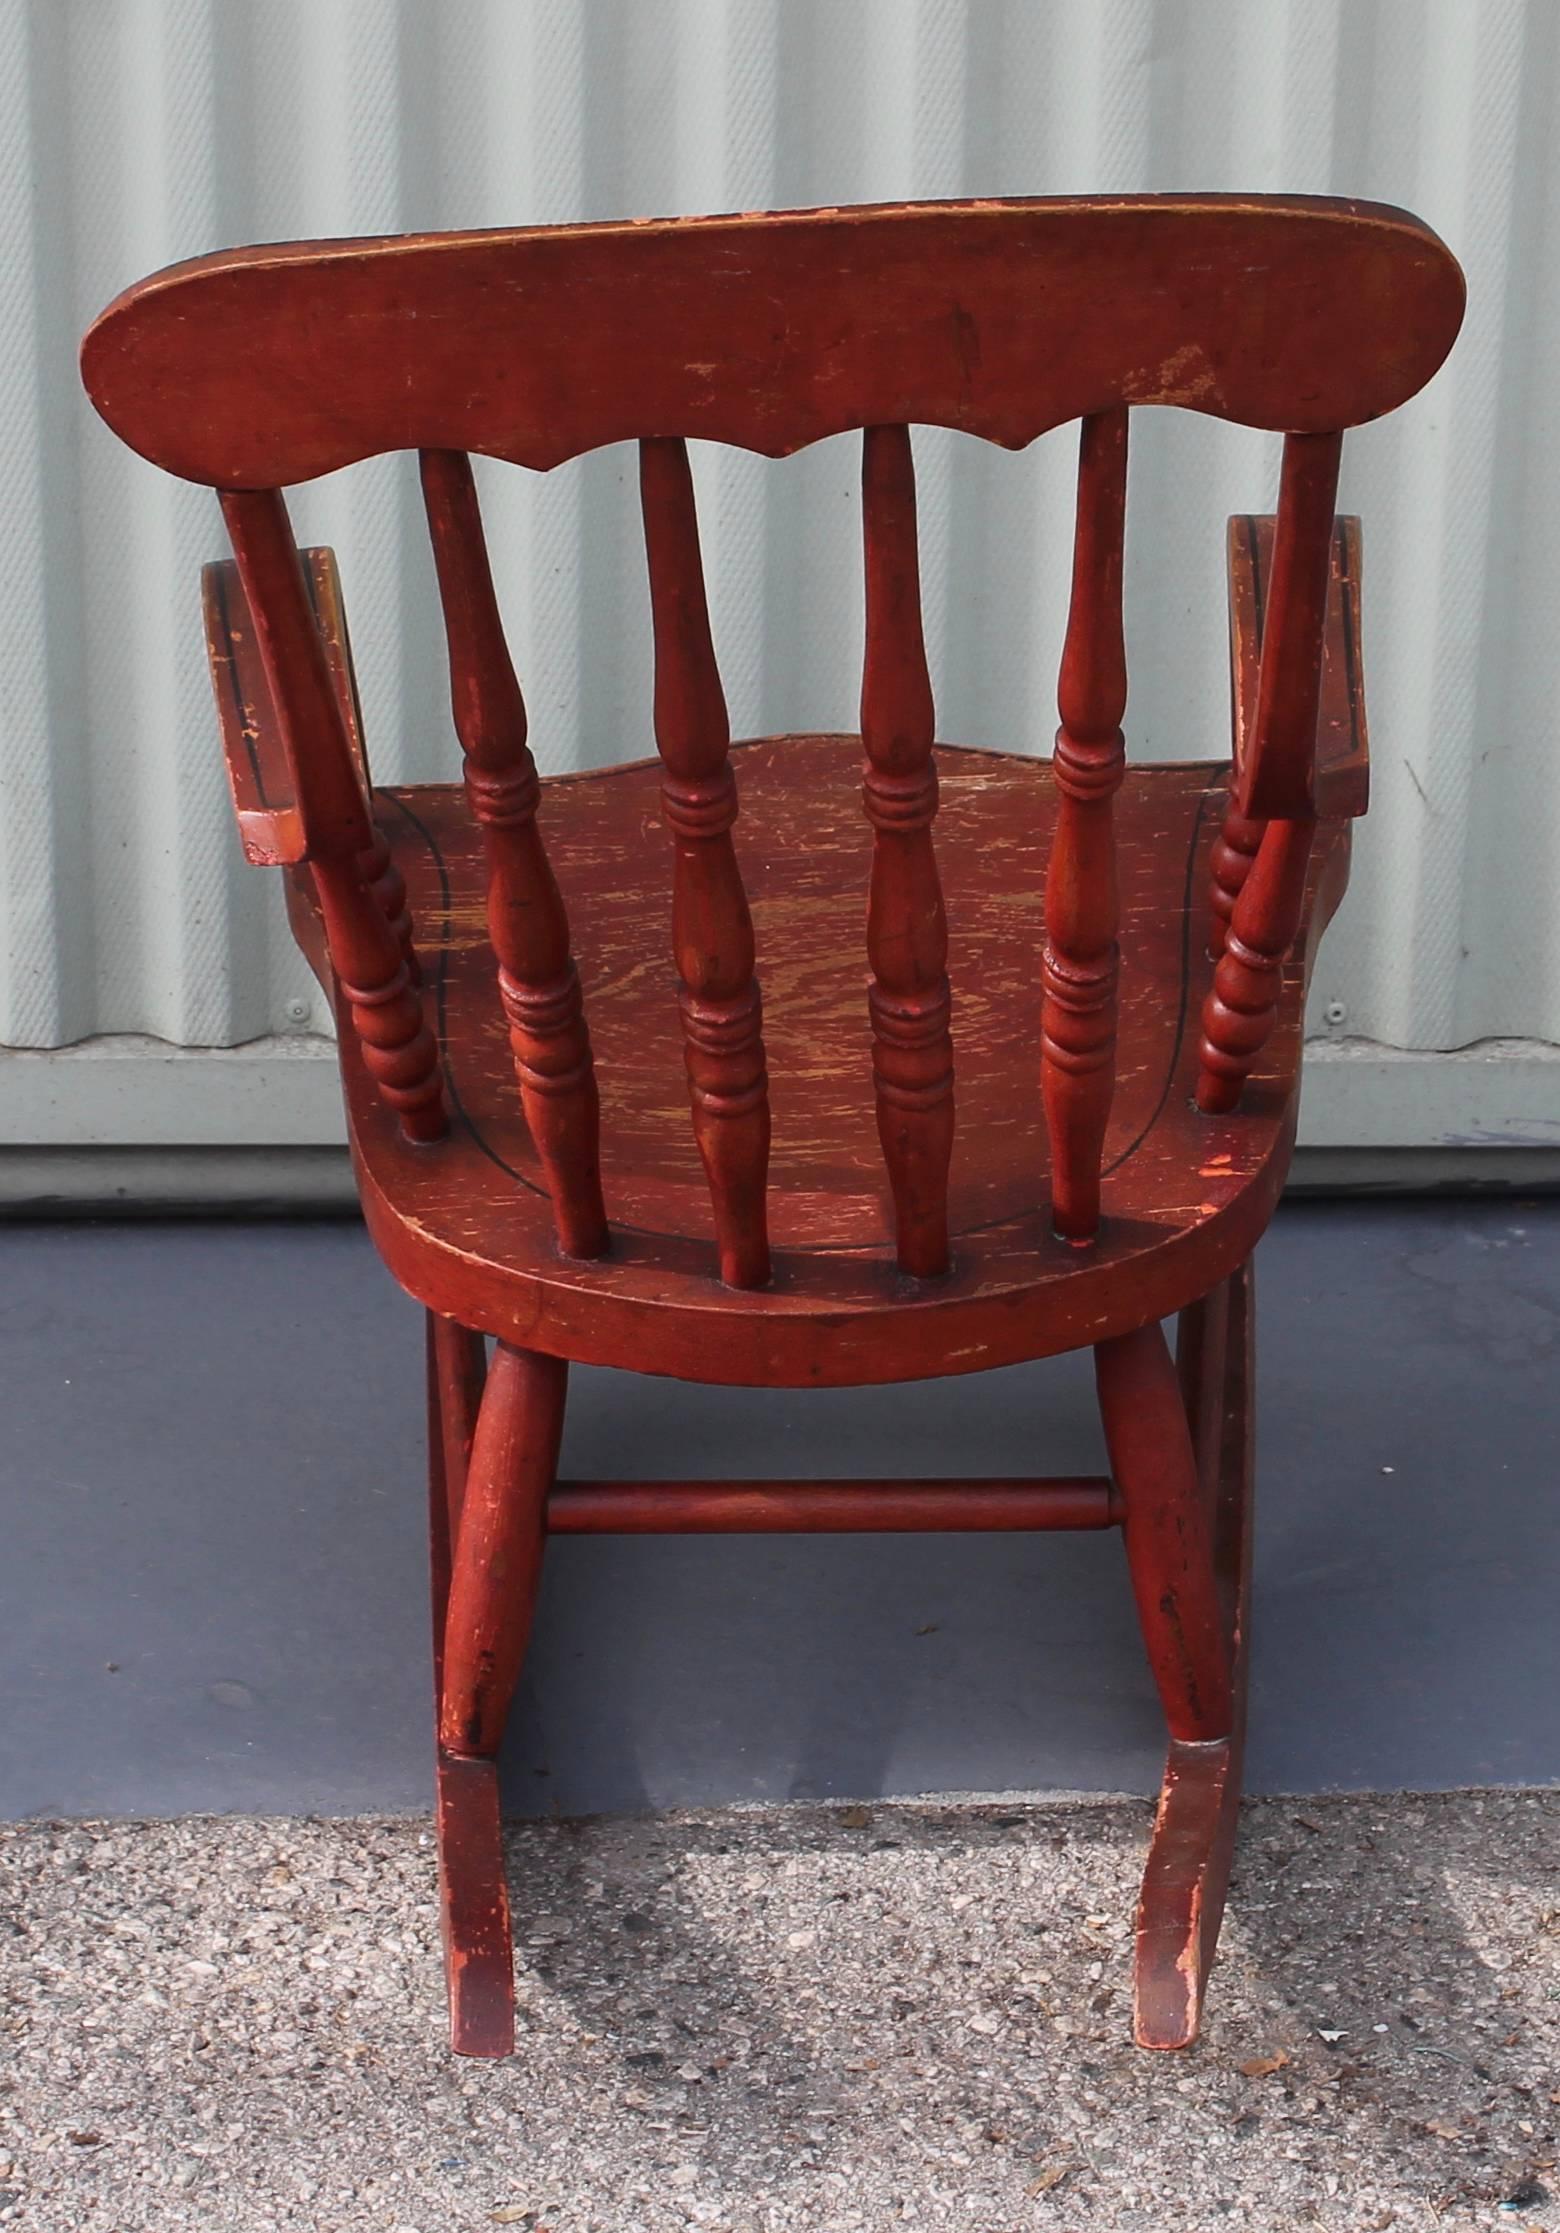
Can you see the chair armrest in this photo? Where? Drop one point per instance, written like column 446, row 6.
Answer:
column 1342, row 745
column 264, row 800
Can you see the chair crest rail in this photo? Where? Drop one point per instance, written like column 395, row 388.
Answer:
column 945, row 314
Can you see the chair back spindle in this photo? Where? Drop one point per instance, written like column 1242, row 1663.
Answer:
column 1274, row 789
column 1079, row 968
column 388, row 886
column 378, row 863
column 907, row 932
column 365, row 945
column 1234, row 850
column 528, row 927
column 712, row 930
column 1278, row 776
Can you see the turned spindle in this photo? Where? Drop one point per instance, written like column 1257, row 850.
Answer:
column 366, row 949
column 1082, row 906
column 388, row 886
column 528, row 928
column 712, row 930
column 907, row 931
column 1234, row 850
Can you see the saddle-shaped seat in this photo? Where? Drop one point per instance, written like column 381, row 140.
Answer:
column 1013, row 1289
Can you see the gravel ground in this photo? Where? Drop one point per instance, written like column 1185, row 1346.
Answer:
column 842, row 2018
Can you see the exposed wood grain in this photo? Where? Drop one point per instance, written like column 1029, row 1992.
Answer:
column 907, row 931
column 538, row 983
column 365, row 949
column 264, row 804
column 269, row 822
column 474, row 1907
column 1082, row 891
column 264, row 366
column 712, row 929
column 1342, row 740
column 1189, row 1196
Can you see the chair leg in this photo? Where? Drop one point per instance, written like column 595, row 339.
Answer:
column 1167, row 1530
column 498, row 1552
column 1184, row 1466
column 457, row 1371
column 493, row 1451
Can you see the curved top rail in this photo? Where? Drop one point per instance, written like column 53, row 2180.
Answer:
column 261, row 367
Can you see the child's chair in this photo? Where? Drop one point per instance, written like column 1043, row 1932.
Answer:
column 533, row 1182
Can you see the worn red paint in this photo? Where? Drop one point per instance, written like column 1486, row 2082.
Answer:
column 564, row 1214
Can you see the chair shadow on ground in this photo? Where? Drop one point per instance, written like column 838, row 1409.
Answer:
column 1406, row 2055
column 1383, row 1961
column 921, row 1977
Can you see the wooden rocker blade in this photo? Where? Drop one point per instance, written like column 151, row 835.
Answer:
column 1181, row 1904
column 474, row 1907
column 468, row 1825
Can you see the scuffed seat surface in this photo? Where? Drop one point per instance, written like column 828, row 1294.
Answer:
column 477, row 1200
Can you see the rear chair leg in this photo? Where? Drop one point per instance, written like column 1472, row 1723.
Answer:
column 1180, row 1450
column 493, row 1452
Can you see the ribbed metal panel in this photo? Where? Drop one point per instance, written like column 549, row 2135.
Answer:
column 140, row 131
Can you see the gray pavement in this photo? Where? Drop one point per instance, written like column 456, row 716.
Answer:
column 843, row 2020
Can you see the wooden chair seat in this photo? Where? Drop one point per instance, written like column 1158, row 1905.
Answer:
column 475, row 1216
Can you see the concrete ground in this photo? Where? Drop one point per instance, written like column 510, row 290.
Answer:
column 839, row 2019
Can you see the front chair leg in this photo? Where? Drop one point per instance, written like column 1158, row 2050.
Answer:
column 484, row 1594
column 1171, row 1450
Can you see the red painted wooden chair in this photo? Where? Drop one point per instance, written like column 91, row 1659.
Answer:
column 1115, row 1159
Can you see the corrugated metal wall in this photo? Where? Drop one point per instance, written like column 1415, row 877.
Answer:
column 137, row 131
